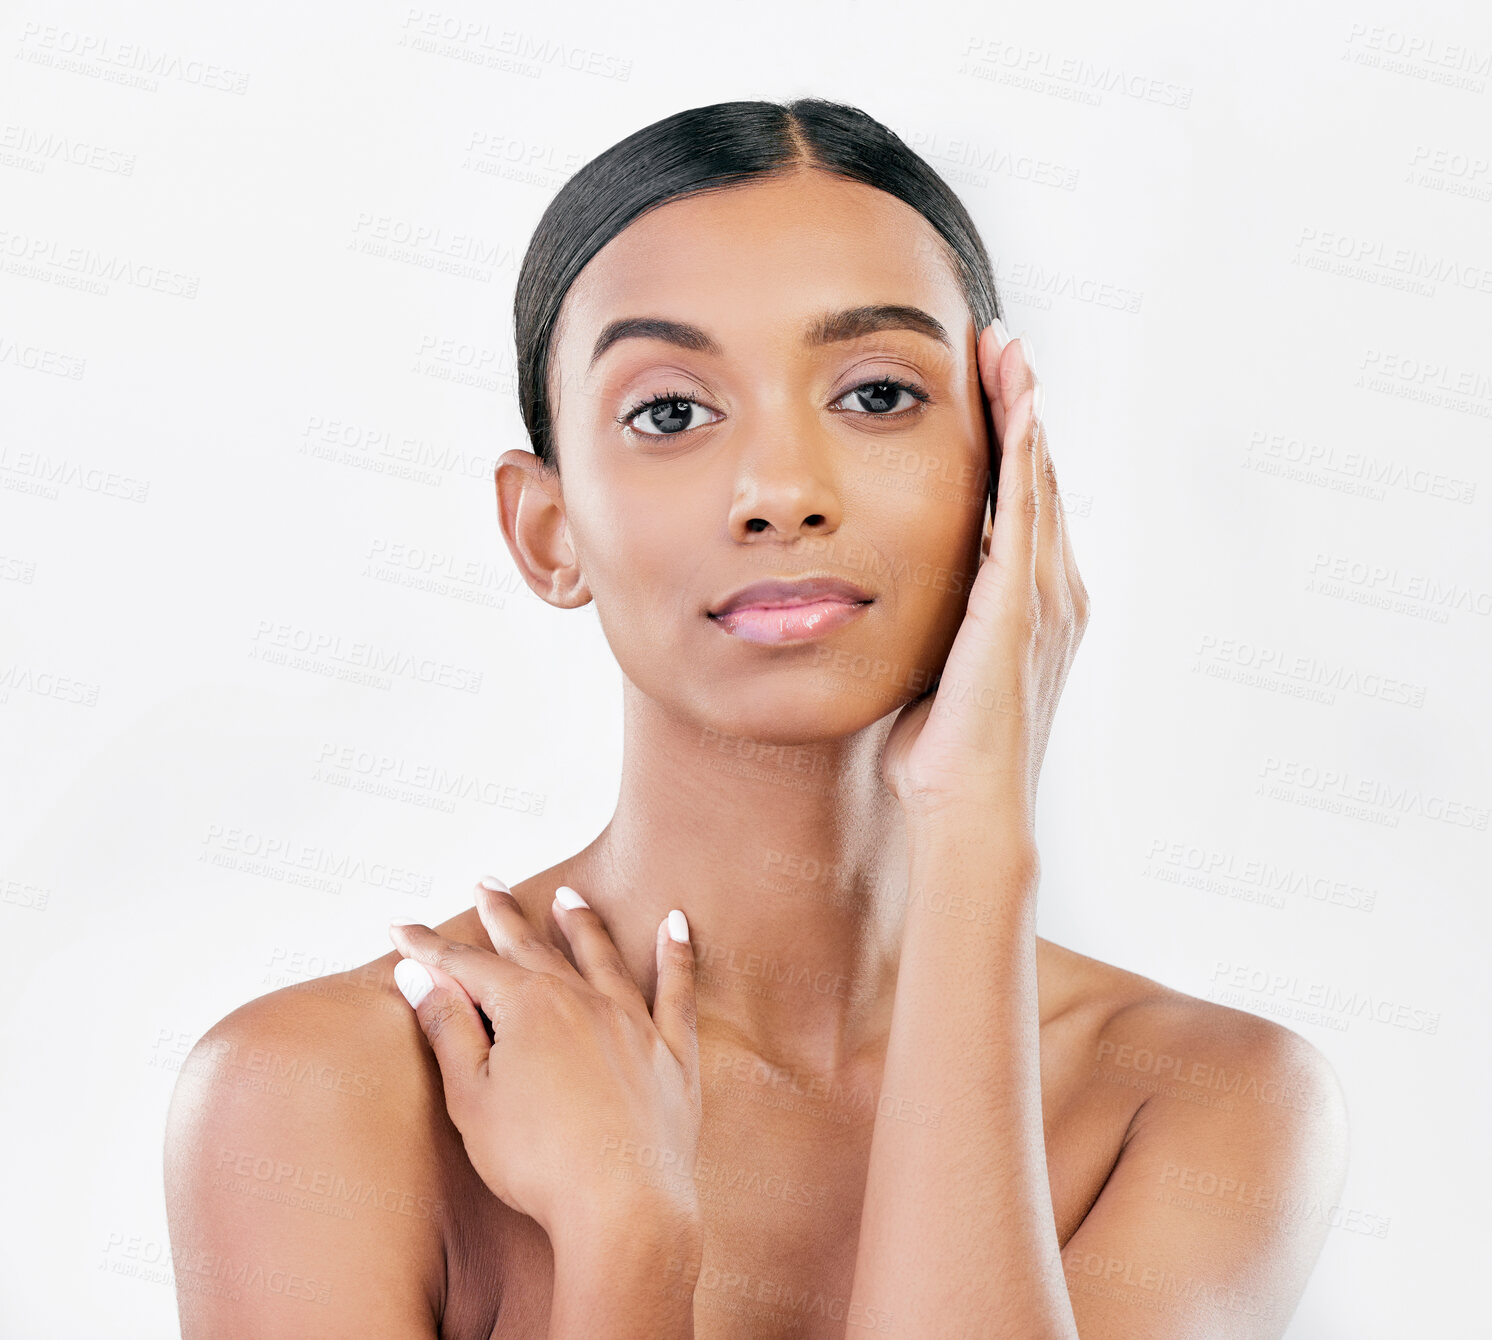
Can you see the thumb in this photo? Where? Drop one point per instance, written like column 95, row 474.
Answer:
column 450, row 1022
column 673, row 1001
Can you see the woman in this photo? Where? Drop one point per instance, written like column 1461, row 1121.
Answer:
column 779, row 1052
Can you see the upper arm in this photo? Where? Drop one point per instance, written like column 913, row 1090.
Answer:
column 300, row 1192
column 1214, row 1215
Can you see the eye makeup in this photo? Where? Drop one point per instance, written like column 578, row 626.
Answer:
column 895, row 385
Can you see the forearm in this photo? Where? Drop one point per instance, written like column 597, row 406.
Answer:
column 629, row 1279
column 957, row 1234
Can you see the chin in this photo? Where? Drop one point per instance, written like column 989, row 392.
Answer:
column 810, row 703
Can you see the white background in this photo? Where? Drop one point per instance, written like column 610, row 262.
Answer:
column 1254, row 266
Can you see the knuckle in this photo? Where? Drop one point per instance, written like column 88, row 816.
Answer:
column 610, row 963
column 688, row 1011
column 544, row 988
column 613, row 1016
column 437, row 1017
column 1029, row 608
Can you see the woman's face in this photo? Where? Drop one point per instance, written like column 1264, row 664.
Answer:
column 789, row 456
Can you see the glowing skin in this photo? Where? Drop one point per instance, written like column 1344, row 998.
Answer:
column 777, row 474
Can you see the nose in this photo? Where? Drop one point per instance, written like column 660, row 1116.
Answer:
column 785, row 486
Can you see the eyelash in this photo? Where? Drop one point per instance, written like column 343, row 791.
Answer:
column 667, row 397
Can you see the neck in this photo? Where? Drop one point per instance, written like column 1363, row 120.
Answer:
column 790, row 862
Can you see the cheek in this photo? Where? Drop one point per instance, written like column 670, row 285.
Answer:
column 924, row 502
column 929, row 493
column 641, row 557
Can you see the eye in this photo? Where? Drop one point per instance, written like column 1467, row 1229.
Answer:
column 878, row 398
column 665, row 415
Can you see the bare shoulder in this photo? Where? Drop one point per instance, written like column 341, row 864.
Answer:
column 1177, row 1048
column 306, row 1164
column 1168, row 1045
column 1230, row 1168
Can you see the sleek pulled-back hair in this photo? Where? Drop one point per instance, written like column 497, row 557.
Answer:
column 712, row 148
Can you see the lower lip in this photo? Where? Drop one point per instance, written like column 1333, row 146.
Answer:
column 789, row 623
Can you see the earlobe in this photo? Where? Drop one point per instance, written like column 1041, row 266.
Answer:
column 568, row 587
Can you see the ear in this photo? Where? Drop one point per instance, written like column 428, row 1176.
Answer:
column 531, row 513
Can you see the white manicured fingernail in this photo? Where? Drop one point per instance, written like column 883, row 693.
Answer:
column 565, row 896
column 1028, row 353
column 1038, row 401
column 413, row 980
column 1001, row 333
column 678, row 927
column 494, row 885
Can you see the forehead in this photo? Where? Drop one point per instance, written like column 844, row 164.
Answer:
column 757, row 260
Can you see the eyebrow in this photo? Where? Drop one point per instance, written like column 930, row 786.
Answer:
column 828, row 328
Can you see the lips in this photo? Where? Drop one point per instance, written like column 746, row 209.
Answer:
column 803, row 591
column 790, row 611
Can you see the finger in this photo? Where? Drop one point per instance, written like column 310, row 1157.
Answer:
column 1017, row 514
column 1051, row 571
column 451, row 1024
column 1001, row 360
column 1075, row 586
column 989, row 350
column 595, row 952
column 514, row 937
column 1017, row 373
column 487, row 979
column 674, row 1011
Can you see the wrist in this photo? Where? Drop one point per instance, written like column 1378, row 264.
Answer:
column 975, row 853
column 629, row 1230
column 630, row 1280
column 1004, row 785
column 993, row 813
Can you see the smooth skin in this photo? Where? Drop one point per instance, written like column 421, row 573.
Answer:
column 866, row 1097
